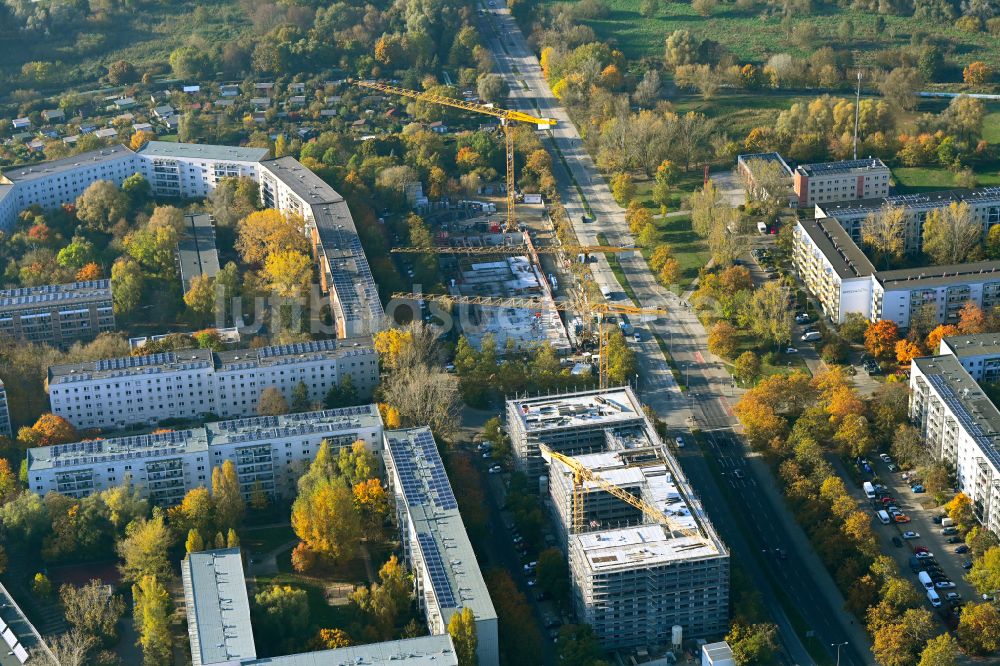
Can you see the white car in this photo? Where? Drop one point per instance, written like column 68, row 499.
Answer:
column 944, row 585
column 791, row 350
column 923, row 556
column 911, row 535
column 496, row 469
column 679, row 441
column 885, row 457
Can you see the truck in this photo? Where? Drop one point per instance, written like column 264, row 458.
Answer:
column 762, row 228
column 869, row 489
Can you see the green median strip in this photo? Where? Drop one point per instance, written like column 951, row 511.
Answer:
column 616, row 268
column 674, row 370
column 812, row 644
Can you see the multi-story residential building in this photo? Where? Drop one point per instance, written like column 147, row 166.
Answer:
column 270, row 454
column 196, row 252
column 984, row 207
column 571, row 423
column 979, row 354
column 220, row 631
column 57, row 314
column 837, row 272
column 840, row 181
column 961, row 427
column 191, row 383
column 633, row 577
column 5, row 426
column 50, row 184
column 190, row 170
column 435, row 543
column 345, row 276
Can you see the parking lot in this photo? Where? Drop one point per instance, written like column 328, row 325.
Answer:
column 920, row 511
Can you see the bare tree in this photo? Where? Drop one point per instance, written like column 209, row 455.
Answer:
column 424, row 396
column 767, row 184
column 772, row 320
column 884, row 231
column 951, row 236
column 72, row 648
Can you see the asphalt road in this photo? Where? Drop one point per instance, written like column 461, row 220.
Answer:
column 801, row 577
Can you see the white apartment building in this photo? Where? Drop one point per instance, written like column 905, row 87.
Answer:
column 188, row 170
column 191, row 170
column 979, row 354
column 270, row 453
column 837, row 272
column 633, row 578
column 57, row 314
column 435, row 544
column 984, row 206
column 960, row 426
column 5, row 427
column 193, row 383
column 840, row 181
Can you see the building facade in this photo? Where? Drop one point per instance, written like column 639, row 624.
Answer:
column 270, row 454
column 435, row 543
column 978, row 354
column 187, row 170
column 192, row 383
column 57, row 314
column 961, row 427
column 845, row 180
column 984, row 207
column 5, row 426
column 836, row 271
column 746, row 165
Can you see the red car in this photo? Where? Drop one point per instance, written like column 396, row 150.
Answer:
column 888, row 500
column 921, row 549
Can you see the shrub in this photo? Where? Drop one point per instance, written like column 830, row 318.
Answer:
column 970, row 24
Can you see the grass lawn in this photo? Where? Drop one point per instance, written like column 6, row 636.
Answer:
column 689, row 250
column 265, row 539
column 927, row 179
column 752, row 37
column 783, row 363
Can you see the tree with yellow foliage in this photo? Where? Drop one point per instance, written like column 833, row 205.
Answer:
column 288, row 272
column 140, row 139
column 263, row 232
column 391, row 343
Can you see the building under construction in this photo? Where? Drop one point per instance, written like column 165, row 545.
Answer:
column 636, row 574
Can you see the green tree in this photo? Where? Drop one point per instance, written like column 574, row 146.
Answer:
column 752, row 643
column 950, row 234
column 621, row 364
column 194, row 542
column 41, row 586
column 622, row 188
column 492, row 88
column 343, row 394
column 325, row 519
column 462, row 629
column 121, row 72
column 101, row 205
column 979, row 628
column 200, row 297
column 942, row 650
column 578, row 646
column 300, row 398
column 746, row 368
column 993, row 242
column 189, row 62
column 151, row 617
column 553, row 574
column 126, row 285
column 282, row 611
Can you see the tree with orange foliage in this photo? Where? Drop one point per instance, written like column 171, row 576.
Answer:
column 942, row 331
column 88, row 272
column 54, row 429
column 976, row 73
column 8, row 482
column 906, row 351
column 140, row 139
column 611, row 77
column 760, row 422
column 331, row 639
column 881, row 337
column 843, row 401
column 971, row 319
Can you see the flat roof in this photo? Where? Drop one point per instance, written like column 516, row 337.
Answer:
column 983, row 344
column 930, row 276
column 27, row 172
column 922, row 201
column 445, row 550
column 842, row 166
column 976, row 413
column 203, row 151
column 628, row 548
column 190, row 359
column 422, row 651
column 745, row 159
column 838, row 247
column 23, row 642
column 54, row 295
column 196, row 249
column 597, row 408
column 218, row 607
column 179, row 442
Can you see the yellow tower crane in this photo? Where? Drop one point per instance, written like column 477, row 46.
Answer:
column 507, row 119
column 583, row 475
column 511, row 249
column 600, row 309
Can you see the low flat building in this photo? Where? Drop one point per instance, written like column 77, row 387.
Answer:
column 845, row 180
column 745, row 165
column 979, row 354
column 24, row 643
column 961, row 427
column 571, row 423
column 193, row 383
column 635, row 576
column 57, row 314
column 196, row 252
column 984, row 206
column 717, row 654
column 270, row 454
column 435, row 543
column 836, row 271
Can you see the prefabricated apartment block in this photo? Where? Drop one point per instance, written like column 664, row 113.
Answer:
column 57, row 314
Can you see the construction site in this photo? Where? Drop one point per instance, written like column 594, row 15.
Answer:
column 647, row 568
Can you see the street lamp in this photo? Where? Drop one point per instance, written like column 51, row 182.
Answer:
column 838, row 646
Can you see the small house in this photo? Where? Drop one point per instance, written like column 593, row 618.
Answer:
column 438, row 127
column 21, row 123
column 229, row 90
column 52, row 115
column 123, row 103
column 191, row 89
column 71, row 140
column 143, row 127
column 264, row 88
column 163, row 112
column 297, row 87
column 261, row 102
column 106, row 133
column 297, row 100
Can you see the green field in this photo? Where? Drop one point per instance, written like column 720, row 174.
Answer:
column 751, row 37
column 690, row 250
column 929, row 179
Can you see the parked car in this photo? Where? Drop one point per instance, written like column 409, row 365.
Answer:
column 953, row 596
column 679, row 441
column 892, row 467
column 495, row 469
column 487, row 454
column 937, row 519
column 791, row 350
column 902, row 518
column 917, row 488
column 924, row 556
column 953, row 539
column 944, row 585
column 921, row 549
column 967, row 565
column 962, row 550
column 897, row 542
column 909, row 534
column 802, row 318
column 948, row 531
column 885, row 457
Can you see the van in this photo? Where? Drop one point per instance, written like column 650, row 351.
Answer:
column 947, row 522
column 933, row 597
column 812, row 336
column 869, row 489
column 554, row 282
column 605, row 291
column 883, row 517
column 762, row 228
column 925, row 580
